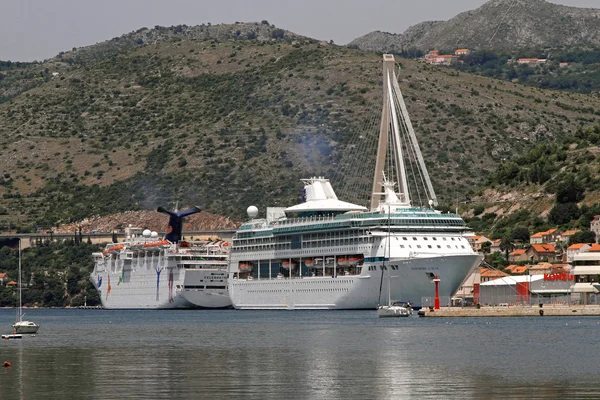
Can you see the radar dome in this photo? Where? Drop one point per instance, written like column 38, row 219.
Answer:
column 154, row 234
column 146, row 233
column 252, row 211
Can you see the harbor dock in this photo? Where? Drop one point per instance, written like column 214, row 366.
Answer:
column 548, row 310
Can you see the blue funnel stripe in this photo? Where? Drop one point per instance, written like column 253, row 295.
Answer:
column 175, row 228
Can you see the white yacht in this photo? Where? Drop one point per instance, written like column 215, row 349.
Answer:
column 146, row 272
column 329, row 254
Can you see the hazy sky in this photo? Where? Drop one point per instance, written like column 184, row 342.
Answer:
column 39, row 29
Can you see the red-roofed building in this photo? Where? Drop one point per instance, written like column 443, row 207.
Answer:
column 520, row 270
column 12, row 283
column 517, row 255
column 549, row 236
column 3, row 278
column 491, row 274
column 495, row 246
column 594, row 247
column 510, row 268
column 462, row 52
column 566, row 235
column 576, row 249
column 477, row 242
column 537, row 252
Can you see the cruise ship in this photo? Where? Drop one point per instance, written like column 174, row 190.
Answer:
column 330, row 254
column 147, row 272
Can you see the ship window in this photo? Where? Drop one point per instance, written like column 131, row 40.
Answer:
column 462, row 246
column 418, row 246
column 425, row 238
column 414, row 238
column 429, row 245
column 401, row 246
column 434, row 238
column 404, row 238
column 452, row 238
column 449, row 246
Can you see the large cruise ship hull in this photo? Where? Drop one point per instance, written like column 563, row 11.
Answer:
column 411, row 281
column 206, row 288
column 142, row 288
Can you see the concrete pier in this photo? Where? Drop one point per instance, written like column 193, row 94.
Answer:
column 548, row 310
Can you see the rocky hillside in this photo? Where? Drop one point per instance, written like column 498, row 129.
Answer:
column 148, row 220
column 225, row 123
column 498, row 24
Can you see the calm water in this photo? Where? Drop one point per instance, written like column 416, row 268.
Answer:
column 101, row 354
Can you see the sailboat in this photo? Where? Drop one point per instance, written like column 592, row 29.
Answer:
column 395, row 309
column 21, row 326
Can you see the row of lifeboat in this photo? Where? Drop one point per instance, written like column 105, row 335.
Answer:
column 317, row 262
column 117, row 248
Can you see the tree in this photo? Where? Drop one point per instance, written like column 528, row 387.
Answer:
column 563, row 213
column 582, row 237
column 506, row 245
column 570, row 192
column 520, row 233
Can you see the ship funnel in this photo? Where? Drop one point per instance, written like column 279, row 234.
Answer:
column 175, row 227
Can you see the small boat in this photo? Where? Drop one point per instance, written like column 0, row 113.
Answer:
column 15, row 336
column 392, row 311
column 342, row 261
column 310, row 263
column 287, row 264
column 354, row 260
column 246, row 267
column 116, row 249
column 21, row 326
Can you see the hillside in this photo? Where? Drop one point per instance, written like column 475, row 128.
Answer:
column 498, row 24
column 227, row 123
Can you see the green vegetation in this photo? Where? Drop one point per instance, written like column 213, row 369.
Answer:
column 54, row 275
column 581, row 74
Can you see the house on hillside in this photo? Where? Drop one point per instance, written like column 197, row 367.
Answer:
column 462, row 52
column 576, row 249
column 433, row 57
column 549, row 236
column 517, row 255
column 537, row 252
column 477, row 242
column 566, row 235
column 520, row 270
column 496, row 246
column 548, row 268
column 531, row 61
column 488, row 274
column 3, row 278
column 563, row 64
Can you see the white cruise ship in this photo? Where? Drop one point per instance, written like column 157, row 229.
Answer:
column 146, row 272
column 330, row 254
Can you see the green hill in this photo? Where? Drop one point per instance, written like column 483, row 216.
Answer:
column 229, row 121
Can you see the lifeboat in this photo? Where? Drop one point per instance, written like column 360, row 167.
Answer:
column 157, row 245
column 342, row 261
column 246, row 267
column 354, row 260
column 287, row 264
column 310, row 263
column 116, row 249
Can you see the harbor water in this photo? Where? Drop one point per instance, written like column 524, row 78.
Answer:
column 103, row 354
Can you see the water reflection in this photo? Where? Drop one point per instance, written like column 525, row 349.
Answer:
column 274, row 355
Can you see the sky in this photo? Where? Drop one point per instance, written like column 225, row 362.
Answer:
column 40, row 29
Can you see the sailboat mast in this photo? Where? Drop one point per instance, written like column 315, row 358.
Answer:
column 19, row 313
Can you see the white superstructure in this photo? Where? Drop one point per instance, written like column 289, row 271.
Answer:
column 330, row 254
column 146, row 272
